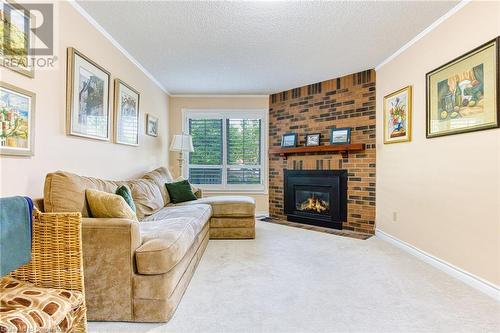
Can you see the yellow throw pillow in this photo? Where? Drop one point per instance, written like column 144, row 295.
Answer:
column 103, row 204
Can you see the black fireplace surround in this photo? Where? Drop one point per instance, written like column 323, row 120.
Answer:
column 317, row 197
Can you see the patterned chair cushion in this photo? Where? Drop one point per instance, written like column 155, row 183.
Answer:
column 26, row 308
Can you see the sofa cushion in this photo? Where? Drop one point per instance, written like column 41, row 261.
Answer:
column 108, row 205
column 65, row 191
column 160, row 176
column 167, row 235
column 227, row 206
column 147, row 197
column 26, row 308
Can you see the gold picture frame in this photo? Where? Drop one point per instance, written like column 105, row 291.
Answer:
column 463, row 95
column 17, row 120
column 23, row 33
column 126, row 127
column 398, row 115
column 87, row 98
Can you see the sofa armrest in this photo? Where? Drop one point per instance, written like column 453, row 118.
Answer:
column 109, row 245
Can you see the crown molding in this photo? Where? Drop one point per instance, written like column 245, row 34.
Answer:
column 113, row 41
column 218, row 96
column 427, row 30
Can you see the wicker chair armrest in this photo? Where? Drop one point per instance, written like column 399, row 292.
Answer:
column 56, row 254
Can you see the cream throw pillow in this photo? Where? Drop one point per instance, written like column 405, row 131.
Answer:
column 108, row 205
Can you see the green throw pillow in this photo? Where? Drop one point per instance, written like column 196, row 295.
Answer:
column 180, row 191
column 124, row 192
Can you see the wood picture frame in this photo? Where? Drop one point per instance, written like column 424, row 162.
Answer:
column 17, row 120
column 398, row 116
column 126, row 114
column 463, row 95
column 25, row 30
column 87, row 98
column 151, row 125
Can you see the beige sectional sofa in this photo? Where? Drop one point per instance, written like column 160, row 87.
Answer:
column 139, row 270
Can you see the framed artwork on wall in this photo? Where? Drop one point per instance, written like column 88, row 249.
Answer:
column 340, row 135
column 463, row 95
column 87, row 98
column 151, row 125
column 126, row 115
column 313, row 139
column 289, row 140
column 16, row 48
column 17, row 120
column 397, row 116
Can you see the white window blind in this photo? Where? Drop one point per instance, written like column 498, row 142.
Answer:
column 228, row 150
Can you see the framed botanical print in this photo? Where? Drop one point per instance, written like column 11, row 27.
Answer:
column 397, row 116
column 17, row 120
column 87, row 98
column 126, row 115
column 289, row 140
column 151, row 125
column 464, row 94
column 340, row 135
column 16, row 48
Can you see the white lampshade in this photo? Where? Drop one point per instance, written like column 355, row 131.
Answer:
column 182, row 143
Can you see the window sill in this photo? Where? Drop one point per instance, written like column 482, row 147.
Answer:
column 233, row 191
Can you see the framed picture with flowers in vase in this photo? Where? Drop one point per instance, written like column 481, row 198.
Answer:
column 397, row 116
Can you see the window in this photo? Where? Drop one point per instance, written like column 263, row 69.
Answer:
column 228, row 149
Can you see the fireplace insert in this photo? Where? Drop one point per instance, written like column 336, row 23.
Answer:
column 317, row 197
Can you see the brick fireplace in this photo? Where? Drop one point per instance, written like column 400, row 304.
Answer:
column 348, row 101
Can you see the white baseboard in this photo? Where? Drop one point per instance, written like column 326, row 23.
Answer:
column 470, row 279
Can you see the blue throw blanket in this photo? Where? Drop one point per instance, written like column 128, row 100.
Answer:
column 15, row 232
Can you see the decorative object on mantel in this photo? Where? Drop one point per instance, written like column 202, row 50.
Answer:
column 343, row 149
column 313, row 139
column 340, row 136
column 289, row 140
column 87, row 98
column 17, row 122
column 16, row 49
column 182, row 143
column 126, row 104
column 151, row 125
column 397, row 116
column 463, row 95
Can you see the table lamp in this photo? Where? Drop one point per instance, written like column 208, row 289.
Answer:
column 182, row 143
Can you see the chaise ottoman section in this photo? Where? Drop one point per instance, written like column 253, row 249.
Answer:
column 233, row 217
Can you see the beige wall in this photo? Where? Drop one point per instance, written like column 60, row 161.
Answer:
column 445, row 191
column 175, row 121
column 54, row 150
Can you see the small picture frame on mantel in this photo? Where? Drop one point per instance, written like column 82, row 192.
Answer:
column 313, row 139
column 289, row 140
column 340, row 136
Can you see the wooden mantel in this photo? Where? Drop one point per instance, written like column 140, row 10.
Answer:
column 344, row 149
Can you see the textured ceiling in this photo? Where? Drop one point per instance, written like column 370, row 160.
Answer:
column 260, row 47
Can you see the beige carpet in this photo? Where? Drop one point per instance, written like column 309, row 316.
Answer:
column 295, row 280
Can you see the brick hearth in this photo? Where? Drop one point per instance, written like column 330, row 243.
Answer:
column 348, row 101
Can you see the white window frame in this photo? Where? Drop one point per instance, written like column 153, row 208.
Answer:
column 225, row 114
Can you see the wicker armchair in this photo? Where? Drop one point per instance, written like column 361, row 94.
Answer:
column 57, row 258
